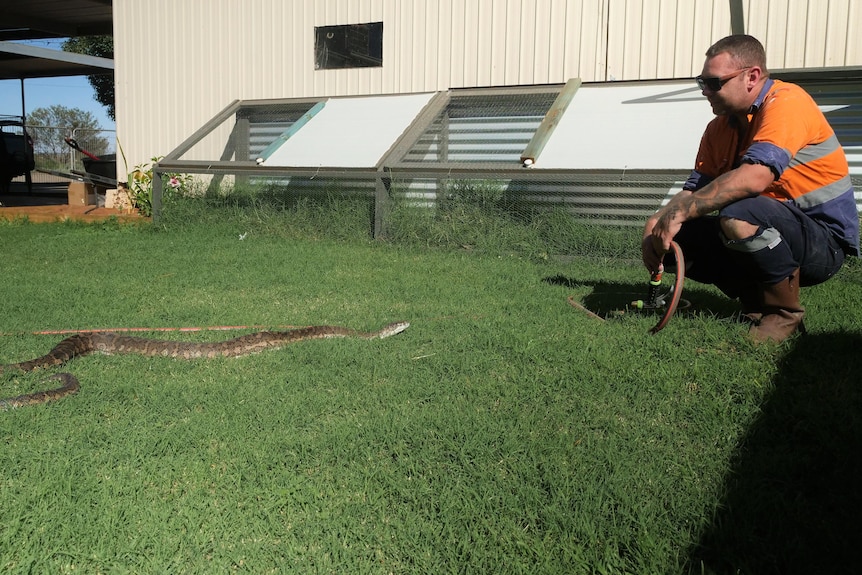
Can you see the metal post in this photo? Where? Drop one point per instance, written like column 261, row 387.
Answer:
column 23, row 109
column 28, row 177
column 737, row 17
column 157, row 194
column 381, row 204
column 72, row 150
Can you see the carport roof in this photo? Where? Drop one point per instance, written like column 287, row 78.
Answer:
column 21, row 61
column 37, row 19
column 32, row 19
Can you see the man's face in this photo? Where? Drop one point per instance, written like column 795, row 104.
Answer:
column 734, row 95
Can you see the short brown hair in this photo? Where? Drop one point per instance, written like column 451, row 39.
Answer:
column 745, row 50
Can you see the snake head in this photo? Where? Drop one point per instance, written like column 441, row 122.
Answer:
column 394, row 328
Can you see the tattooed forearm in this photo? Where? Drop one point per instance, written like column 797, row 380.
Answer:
column 667, row 216
column 744, row 182
column 701, row 204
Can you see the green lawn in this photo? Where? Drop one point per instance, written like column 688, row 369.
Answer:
column 504, row 432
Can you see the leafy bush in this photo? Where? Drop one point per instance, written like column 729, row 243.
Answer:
column 140, row 184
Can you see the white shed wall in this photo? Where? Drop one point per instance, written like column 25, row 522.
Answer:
column 178, row 62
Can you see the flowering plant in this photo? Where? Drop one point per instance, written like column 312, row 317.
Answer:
column 141, row 185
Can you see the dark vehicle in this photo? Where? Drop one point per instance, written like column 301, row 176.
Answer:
column 16, row 151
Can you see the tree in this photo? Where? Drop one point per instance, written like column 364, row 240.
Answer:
column 103, row 84
column 50, row 126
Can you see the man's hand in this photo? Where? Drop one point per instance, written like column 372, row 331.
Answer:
column 660, row 230
column 650, row 254
column 748, row 180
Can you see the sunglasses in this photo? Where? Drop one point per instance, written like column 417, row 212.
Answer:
column 714, row 83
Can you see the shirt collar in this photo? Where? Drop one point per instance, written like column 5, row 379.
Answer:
column 767, row 86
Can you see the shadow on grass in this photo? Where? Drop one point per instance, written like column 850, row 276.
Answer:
column 794, row 497
column 609, row 299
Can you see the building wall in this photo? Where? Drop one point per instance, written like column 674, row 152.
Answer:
column 178, row 62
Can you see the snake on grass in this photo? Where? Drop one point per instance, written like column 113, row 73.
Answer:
column 113, row 343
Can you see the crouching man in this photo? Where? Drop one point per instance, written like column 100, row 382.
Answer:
column 769, row 206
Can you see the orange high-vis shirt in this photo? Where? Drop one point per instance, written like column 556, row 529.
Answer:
column 788, row 133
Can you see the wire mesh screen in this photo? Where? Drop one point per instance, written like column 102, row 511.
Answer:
column 454, row 177
column 583, row 214
column 477, row 128
column 267, row 124
column 475, row 144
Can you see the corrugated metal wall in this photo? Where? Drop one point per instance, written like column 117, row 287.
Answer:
column 178, row 62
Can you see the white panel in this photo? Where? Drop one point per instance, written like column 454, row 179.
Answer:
column 526, row 55
column 395, row 58
column 551, row 41
column 300, row 59
column 413, row 43
column 705, row 32
column 589, row 22
column 806, row 33
column 413, row 52
column 835, row 39
column 458, row 46
column 629, row 126
column 495, row 75
column 539, row 32
column 687, row 53
column 778, row 34
column 511, row 45
column 565, row 43
column 814, row 46
column 441, row 78
column 631, row 51
column 430, row 26
column 720, row 20
column 350, row 132
column 763, row 21
column 664, row 39
column 617, row 35
column 797, row 20
column 474, row 36
column 649, row 39
column 650, row 25
column 854, row 38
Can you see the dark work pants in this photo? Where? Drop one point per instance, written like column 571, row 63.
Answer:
column 786, row 240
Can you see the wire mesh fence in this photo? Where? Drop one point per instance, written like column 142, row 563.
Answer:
column 456, row 176
column 56, row 159
column 490, row 214
column 52, row 151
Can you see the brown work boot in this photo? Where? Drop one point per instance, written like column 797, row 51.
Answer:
column 752, row 317
column 782, row 312
column 751, row 301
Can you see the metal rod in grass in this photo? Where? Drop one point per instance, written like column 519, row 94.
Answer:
column 152, row 329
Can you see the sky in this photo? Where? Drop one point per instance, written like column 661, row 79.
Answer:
column 70, row 91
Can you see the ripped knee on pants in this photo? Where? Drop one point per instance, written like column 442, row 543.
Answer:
column 735, row 230
column 762, row 238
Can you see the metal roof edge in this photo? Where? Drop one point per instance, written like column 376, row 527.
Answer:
column 56, row 55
